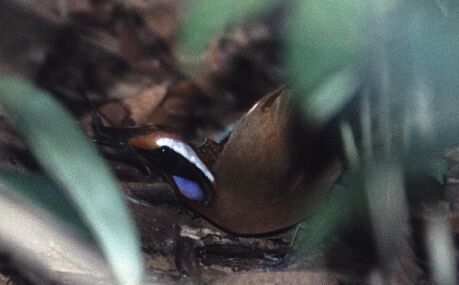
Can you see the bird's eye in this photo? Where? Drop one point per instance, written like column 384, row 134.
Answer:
column 188, row 188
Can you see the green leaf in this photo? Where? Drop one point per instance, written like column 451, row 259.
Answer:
column 441, row 249
column 325, row 45
column 427, row 165
column 333, row 213
column 43, row 193
column 365, row 122
column 384, row 183
column 350, row 148
column 66, row 155
column 206, row 17
column 437, row 169
column 325, row 101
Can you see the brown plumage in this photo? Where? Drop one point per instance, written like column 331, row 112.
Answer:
column 253, row 184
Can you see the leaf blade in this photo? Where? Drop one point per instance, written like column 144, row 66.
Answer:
column 62, row 150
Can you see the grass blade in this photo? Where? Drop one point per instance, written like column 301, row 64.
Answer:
column 333, row 214
column 325, row 46
column 440, row 248
column 66, row 155
column 365, row 122
column 384, row 184
column 43, row 193
column 350, row 148
column 325, row 101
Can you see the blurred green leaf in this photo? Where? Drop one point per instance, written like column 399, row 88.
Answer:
column 365, row 122
column 44, row 193
column 206, row 17
column 427, row 165
column 441, row 249
column 384, row 184
column 338, row 210
column 437, row 169
column 421, row 47
column 333, row 213
column 349, row 145
column 325, row 45
column 325, row 101
column 67, row 156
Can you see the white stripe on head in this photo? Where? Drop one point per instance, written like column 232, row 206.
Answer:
column 187, row 152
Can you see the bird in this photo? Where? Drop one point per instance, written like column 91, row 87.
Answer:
column 249, row 185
